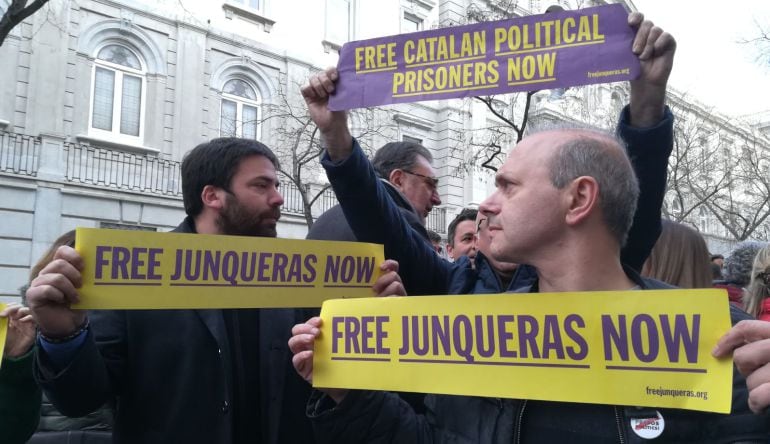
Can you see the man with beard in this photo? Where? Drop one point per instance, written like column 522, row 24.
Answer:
column 192, row 376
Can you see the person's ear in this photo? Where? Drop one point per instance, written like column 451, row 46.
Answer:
column 213, row 197
column 397, row 178
column 581, row 197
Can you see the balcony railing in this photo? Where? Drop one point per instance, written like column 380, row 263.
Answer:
column 19, row 153
column 121, row 170
column 437, row 220
column 292, row 199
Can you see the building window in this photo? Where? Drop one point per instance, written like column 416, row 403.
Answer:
column 703, row 220
column 240, row 110
column 411, row 139
column 338, row 21
column 120, row 226
column 253, row 4
column 410, row 23
column 117, row 106
column 676, row 208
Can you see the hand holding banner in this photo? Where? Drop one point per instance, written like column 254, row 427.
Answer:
column 554, row 50
column 642, row 348
column 141, row 270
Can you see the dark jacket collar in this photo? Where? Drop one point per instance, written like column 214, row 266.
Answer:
column 643, row 282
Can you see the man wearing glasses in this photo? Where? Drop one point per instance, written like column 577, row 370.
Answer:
column 409, row 178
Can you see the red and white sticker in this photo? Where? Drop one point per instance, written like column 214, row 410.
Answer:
column 648, row 428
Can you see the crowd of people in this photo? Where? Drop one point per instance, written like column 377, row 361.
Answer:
column 575, row 209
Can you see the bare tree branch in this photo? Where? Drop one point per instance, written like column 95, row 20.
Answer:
column 297, row 144
column 17, row 12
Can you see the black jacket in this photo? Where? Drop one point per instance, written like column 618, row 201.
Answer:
column 171, row 376
column 332, row 225
column 381, row 417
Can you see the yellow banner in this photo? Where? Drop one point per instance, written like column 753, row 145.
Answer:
column 147, row 270
column 638, row 348
column 3, row 333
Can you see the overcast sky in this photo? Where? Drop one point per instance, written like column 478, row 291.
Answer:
column 710, row 64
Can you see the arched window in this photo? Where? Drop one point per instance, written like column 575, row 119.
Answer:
column 118, row 88
column 241, row 113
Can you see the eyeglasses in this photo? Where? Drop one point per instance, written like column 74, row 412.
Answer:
column 432, row 182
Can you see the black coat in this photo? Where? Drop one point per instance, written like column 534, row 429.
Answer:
column 171, row 376
column 332, row 225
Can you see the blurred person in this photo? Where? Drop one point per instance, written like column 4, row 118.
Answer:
column 755, row 297
column 461, row 235
column 435, row 240
column 737, row 270
column 679, row 257
column 716, row 272
column 54, row 427
column 718, row 259
column 19, row 393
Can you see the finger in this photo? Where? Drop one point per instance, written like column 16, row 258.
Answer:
column 65, row 290
column 741, row 334
column 24, row 311
column 384, row 284
column 70, row 255
column 315, row 321
column 327, row 83
column 752, row 356
column 63, row 267
column 649, row 46
column 307, row 92
column 301, row 342
column 641, row 37
column 301, row 329
column 760, row 375
column 664, row 43
column 759, row 398
column 27, row 319
column 635, row 18
column 389, row 265
column 18, row 312
column 303, row 364
column 395, row 289
column 318, row 88
column 45, row 295
column 333, row 73
column 10, row 309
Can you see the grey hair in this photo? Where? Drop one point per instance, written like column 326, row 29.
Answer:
column 758, row 289
column 599, row 154
column 398, row 156
column 737, row 266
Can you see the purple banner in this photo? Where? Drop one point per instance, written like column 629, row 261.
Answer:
column 554, row 50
